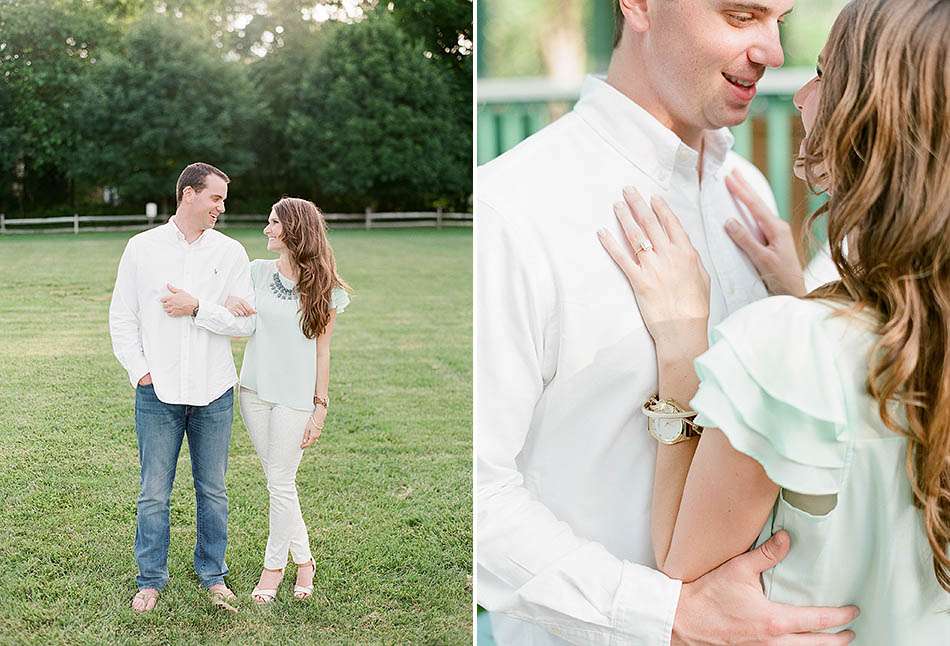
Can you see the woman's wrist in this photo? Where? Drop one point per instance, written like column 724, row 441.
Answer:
column 682, row 341
column 676, row 375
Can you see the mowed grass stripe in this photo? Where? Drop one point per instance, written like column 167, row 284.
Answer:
column 386, row 494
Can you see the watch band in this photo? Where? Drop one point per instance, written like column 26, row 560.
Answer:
column 319, row 401
column 667, row 411
column 194, row 312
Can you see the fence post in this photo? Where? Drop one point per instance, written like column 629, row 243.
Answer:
column 76, row 223
column 438, row 218
column 3, row 223
column 151, row 210
column 369, row 218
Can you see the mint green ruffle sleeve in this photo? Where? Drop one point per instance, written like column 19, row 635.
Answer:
column 339, row 299
column 769, row 382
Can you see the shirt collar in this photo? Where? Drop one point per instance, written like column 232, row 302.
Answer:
column 173, row 229
column 641, row 139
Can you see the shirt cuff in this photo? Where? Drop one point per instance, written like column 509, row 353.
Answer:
column 645, row 606
column 205, row 313
column 137, row 369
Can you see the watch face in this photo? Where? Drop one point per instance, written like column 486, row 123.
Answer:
column 668, row 429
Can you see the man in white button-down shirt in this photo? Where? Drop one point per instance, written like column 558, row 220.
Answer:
column 171, row 332
column 563, row 360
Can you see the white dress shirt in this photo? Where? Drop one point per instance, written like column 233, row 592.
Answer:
column 189, row 358
column 564, row 362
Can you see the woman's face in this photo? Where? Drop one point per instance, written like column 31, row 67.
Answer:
column 806, row 100
column 275, row 233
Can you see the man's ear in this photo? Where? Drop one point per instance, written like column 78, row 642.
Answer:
column 188, row 194
column 635, row 14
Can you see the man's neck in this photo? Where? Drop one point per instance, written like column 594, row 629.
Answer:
column 187, row 227
column 621, row 77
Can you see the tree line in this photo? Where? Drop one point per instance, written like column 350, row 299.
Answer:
column 350, row 105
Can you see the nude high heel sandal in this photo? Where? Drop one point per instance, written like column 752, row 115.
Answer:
column 304, row 592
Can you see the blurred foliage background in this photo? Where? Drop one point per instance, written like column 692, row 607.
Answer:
column 350, row 103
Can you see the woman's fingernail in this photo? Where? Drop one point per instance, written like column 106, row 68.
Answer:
column 601, row 233
column 620, row 208
column 731, row 224
column 631, row 192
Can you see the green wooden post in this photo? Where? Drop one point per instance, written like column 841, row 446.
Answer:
column 538, row 117
column 743, row 132
column 600, row 33
column 815, row 201
column 820, row 228
column 481, row 62
column 780, row 153
column 486, row 134
column 511, row 128
column 743, row 136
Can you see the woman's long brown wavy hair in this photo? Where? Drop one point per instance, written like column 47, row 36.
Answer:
column 880, row 146
column 305, row 236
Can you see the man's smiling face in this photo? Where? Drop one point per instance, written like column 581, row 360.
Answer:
column 704, row 57
column 206, row 205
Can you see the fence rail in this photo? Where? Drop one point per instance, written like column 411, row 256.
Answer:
column 366, row 220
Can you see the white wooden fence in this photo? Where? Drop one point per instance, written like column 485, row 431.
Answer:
column 367, row 220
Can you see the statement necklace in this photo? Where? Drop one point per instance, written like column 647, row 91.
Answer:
column 281, row 291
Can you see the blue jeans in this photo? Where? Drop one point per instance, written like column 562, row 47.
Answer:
column 160, row 428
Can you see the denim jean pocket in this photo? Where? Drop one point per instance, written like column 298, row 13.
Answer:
column 147, row 401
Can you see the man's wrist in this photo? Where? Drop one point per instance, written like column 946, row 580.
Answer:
column 679, row 634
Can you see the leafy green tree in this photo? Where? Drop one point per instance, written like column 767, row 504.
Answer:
column 444, row 25
column 164, row 99
column 47, row 51
column 277, row 77
column 375, row 124
column 371, row 107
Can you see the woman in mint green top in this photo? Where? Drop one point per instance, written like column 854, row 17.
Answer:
column 826, row 415
column 289, row 380
column 284, row 394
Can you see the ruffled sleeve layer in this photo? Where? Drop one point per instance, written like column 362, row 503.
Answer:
column 339, row 299
column 769, row 382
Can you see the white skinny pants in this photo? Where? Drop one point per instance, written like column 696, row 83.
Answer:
column 276, row 432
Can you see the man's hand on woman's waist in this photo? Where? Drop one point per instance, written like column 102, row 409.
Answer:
column 727, row 606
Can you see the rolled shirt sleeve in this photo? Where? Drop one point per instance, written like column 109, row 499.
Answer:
column 216, row 318
column 531, row 565
column 124, row 322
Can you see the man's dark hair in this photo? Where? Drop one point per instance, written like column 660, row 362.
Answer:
column 194, row 176
column 618, row 23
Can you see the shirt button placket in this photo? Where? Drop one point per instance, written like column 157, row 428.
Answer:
column 715, row 244
column 185, row 329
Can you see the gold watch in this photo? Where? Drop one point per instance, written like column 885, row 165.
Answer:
column 319, row 401
column 668, row 422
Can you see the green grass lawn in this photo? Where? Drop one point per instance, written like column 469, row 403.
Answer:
column 386, row 493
